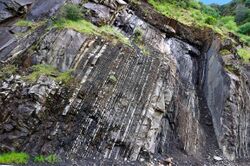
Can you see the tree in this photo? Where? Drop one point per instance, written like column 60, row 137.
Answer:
column 242, row 14
column 247, row 3
column 245, row 29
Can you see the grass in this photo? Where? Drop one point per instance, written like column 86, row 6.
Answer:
column 24, row 23
column 14, row 158
column 7, row 71
column 195, row 16
column 188, row 17
column 31, row 24
column 42, row 69
column 23, row 158
column 244, row 54
column 51, row 159
column 84, row 26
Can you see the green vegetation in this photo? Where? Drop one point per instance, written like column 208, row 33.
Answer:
column 51, row 159
column 41, row 69
column 14, row 158
column 23, row 158
column 87, row 27
column 188, row 12
column 112, row 79
column 245, row 29
column 210, row 20
column 72, row 18
column 232, row 69
column 137, row 39
column 228, row 23
column 225, row 52
column 24, row 23
column 244, row 54
column 71, row 12
column 233, row 17
column 7, row 71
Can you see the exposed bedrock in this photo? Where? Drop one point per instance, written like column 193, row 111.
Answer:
column 124, row 105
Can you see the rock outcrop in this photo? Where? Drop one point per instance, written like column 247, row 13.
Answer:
column 174, row 96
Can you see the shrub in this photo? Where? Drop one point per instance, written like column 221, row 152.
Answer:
column 245, row 29
column 194, row 4
column 137, row 38
column 71, row 12
column 14, row 158
column 225, row 52
column 244, row 54
column 247, row 3
column 210, row 11
column 229, row 23
column 210, row 20
column 242, row 14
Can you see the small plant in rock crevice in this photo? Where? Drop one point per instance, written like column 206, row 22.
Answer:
column 112, row 79
column 7, row 71
column 71, row 12
column 50, row 71
column 138, row 40
column 51, row 159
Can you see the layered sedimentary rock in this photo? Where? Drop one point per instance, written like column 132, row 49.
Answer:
column 125, row 104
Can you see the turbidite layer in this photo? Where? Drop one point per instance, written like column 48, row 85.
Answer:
column 170, row 97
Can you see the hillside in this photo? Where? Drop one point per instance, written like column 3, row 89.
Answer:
column 230, row 18
column 122, row 83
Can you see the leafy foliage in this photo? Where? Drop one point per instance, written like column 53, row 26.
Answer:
column 244, row 54
column 247, row 2
column 210, row 20
column 245, row 29
column 232, row 17
column 229, row 23
column 212, row 12
column 71, row 12
column 242, row 14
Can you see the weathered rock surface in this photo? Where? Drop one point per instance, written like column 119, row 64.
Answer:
column 179, row 100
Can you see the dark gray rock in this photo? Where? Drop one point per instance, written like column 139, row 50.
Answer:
column 41, row 9
column 102, row 14
column 13, row 8
column 17, row 29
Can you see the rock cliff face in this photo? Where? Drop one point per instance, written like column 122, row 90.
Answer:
column 176, row 96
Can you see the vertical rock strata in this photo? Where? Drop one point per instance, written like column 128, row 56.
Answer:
column 125, row 105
